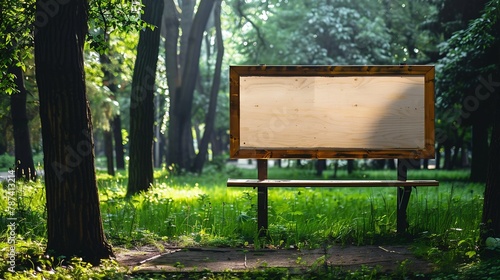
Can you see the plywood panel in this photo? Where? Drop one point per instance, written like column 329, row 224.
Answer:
column 332, row 112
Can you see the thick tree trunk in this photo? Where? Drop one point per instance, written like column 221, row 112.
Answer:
column 479, row 161
column 184, row 102
column 186, row 21
column 171, row 24
column 210, row 117
column 24, row 167
column 491, row 207
column 142, row 101
column 3, row 147
column 74, row 226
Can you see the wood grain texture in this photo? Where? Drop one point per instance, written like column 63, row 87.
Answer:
column 330, row 183
column 332, row 111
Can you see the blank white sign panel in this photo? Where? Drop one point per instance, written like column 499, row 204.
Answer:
column 360, row 112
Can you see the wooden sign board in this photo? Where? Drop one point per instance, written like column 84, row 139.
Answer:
column 332, row 111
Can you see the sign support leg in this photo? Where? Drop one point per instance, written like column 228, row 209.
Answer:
column 403, row 196
column 262, row 199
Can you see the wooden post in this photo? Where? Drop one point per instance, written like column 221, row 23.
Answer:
column 403, row 196
column 262, row 198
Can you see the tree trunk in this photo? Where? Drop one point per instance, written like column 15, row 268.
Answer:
column 217, row 142
column 391, row 164
column 74, row 226
column 335, row 168
column 438, row 157
column 159, row 146
column 109, row 80
column 479, row 161
column 350, row 166
column 180, row 136
column 491, row 207
column 320, row 165
column 24, row 167
column 447, row 158
column 379, row 164
column 117, row 135
column 108, row 151
column 186, row 23
column 142, row 101
column 210, row 117
column 3, row 147
column 171, row 24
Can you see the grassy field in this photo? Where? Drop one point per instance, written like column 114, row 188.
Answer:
column 202, row 210
column 192, row 210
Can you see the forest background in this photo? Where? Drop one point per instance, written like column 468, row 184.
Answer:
column 156, row 80
column 194, row 66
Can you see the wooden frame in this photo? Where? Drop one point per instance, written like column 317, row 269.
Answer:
column 417, row 121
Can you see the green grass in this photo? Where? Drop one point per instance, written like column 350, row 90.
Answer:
column 192, row 210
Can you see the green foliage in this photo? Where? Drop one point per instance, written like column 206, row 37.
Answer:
column 53, row 268
column 332, row 32
column 29, row 209
column 103, row 105
column 192, row 210
column 106, row 17
column 19, row 24
column 468, row 54
column 17, row 39
column 205, row 211
column 6, row 162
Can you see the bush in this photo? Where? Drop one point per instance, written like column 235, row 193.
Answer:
column 6, row 161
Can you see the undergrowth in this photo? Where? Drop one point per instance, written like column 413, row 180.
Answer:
column 193, row 210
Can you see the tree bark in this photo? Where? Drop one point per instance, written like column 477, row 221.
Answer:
column 142, row 101
column 320, row 165
column 183, row 150
column 479, row 161
column 109, row 80
column 350, row 166
column 117, row 136
column 171, row 24
column 217, row 143
column 210, row 117
column 448, row 163
column 186, row 23
column 24, row 166
column 3, row 147
column 74, row 226
column 438, row 156
column 116, row 123
column 108, row 151
column 491, row 207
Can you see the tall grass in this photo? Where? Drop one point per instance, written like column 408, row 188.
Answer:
column 201, row 210
column 194, row 209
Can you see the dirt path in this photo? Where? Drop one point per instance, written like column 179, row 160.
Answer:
column 387, row 258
